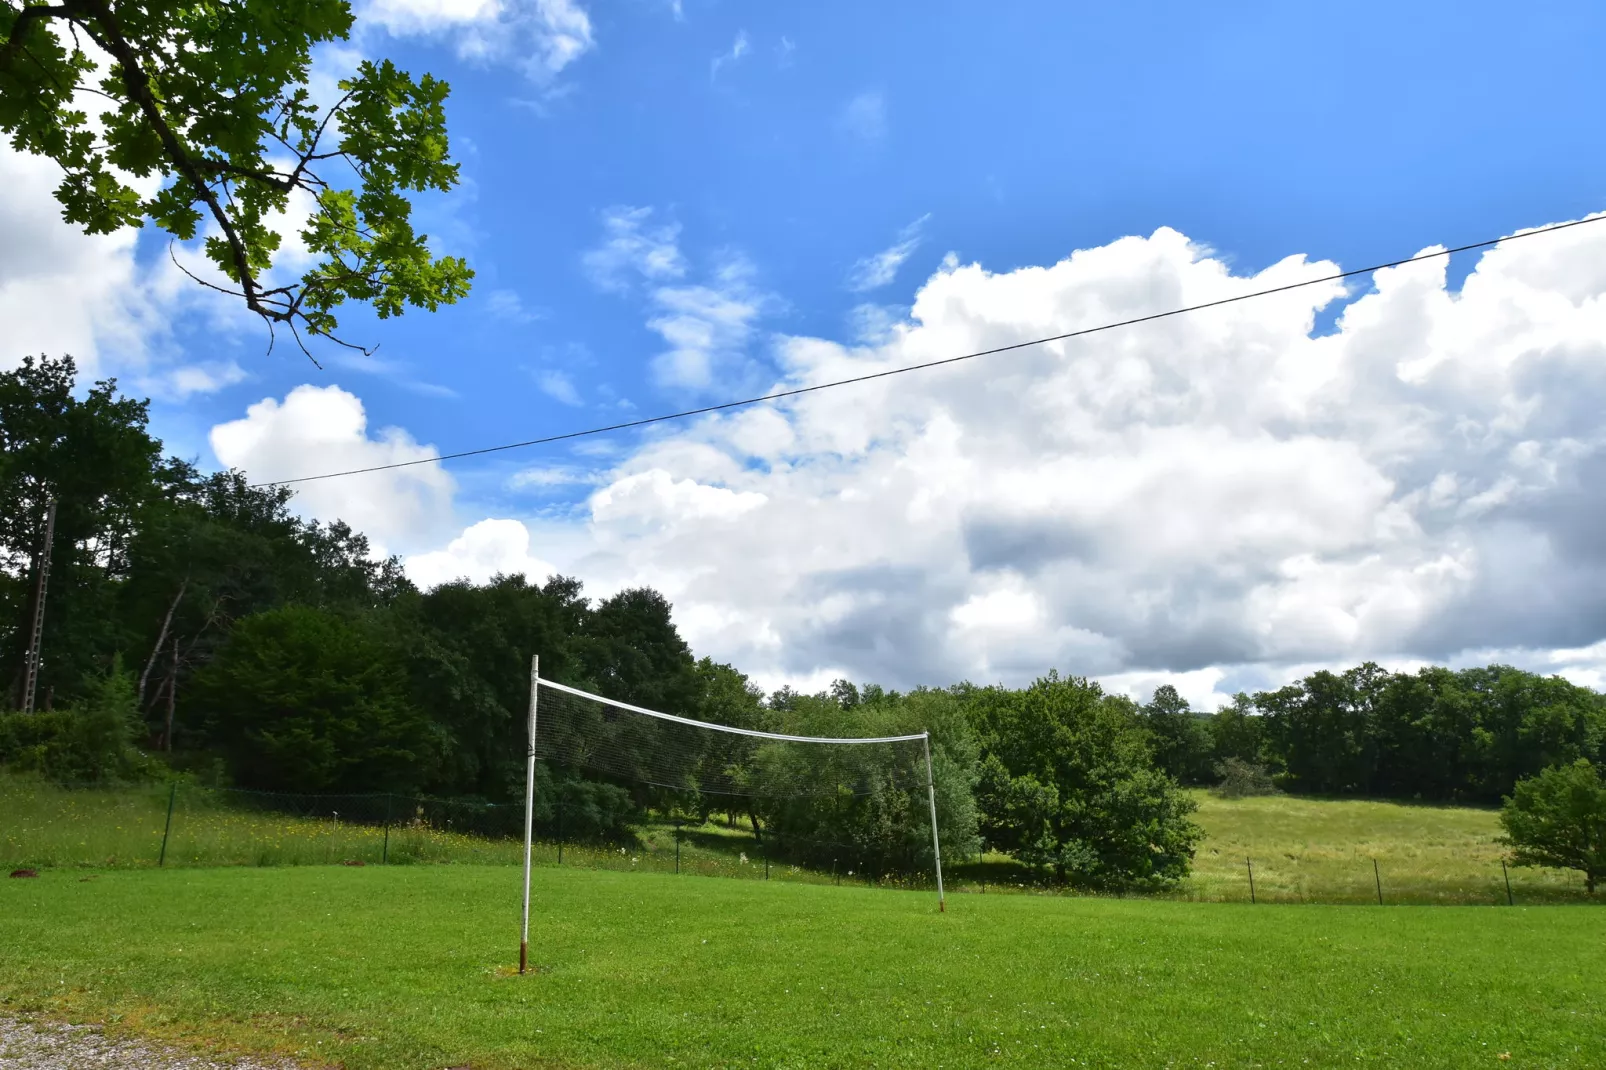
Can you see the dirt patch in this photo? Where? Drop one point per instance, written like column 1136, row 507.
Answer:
column 48, row 1046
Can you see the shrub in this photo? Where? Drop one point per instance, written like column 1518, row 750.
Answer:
column 1240, row 778
column 89, row 742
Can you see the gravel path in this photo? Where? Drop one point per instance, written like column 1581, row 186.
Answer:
column 47, row 1046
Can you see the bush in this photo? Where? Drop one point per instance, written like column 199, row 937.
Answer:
column 1558, row 819
column 1240, row 778
column 1067, row 783
column 91, row 741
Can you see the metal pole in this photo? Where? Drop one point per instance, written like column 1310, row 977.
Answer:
column 384, row 857
column 1378, row 877
column 529, row 816
column 1504, row 872
column 560, row 825
column 172, row 794
column 677, row 846
column 1251, row 867
column 931, row 797
column 36, row 635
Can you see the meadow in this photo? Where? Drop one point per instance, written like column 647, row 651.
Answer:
column 1303, row 850
column 410, row 967
column 1321, row 850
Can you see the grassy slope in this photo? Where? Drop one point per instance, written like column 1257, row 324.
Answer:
column 405, row 967
column 1322, row 850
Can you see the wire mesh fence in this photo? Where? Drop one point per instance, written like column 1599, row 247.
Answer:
column 174, row 825
column 188, row 825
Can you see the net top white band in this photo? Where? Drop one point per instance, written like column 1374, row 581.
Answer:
column 725, row 727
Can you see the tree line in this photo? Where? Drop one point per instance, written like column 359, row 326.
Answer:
column 196, row 626
column 1438, row 734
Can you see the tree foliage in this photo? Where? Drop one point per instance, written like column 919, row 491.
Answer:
column 95, row 739
column 871, row 812
column 1558, row 819
column 1239, row 779
column 1068, row 782
column 1181, row 740
column 304, row 699
column 1466, row 734
column 212, row 99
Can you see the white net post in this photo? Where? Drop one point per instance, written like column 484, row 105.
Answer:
column 931, row 797
column 529, row 816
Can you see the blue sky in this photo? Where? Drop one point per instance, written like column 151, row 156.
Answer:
column 1021, row 132
column 730, row 172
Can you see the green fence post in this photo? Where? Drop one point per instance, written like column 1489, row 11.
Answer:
column 1251, row 867
column 172, row 794
column 677, row 846
column 1504, row 872
column 1378, row 877
column 384, row 858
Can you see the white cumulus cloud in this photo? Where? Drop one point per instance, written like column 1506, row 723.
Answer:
column 484, row 550
column 315, row 430
column 541, row 36
column 1214, row 494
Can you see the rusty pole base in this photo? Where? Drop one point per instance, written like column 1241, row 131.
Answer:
column 524, row 956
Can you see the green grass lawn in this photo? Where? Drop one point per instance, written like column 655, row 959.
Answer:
column 407, row 966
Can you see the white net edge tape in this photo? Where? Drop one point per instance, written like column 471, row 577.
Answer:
column 755, row 733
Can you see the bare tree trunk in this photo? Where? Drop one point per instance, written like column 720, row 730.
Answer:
column 172, row 691
column 161, row 638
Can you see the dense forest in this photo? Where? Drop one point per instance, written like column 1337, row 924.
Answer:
column 196, row 626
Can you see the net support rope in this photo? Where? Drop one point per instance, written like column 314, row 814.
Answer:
column 536, row 684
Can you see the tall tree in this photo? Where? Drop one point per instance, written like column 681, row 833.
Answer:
column 215, row 100
column 96, row 457
column 304, row 699
column 1558, row 818
column 635, row 654
column 1324, row 728
column 1182, row 742
column 1068, row 782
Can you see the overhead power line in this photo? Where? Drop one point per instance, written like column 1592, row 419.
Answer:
column 795, row 391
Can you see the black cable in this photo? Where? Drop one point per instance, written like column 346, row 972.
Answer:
column 933, row 363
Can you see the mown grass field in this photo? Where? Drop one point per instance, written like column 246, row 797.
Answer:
column 408, row 966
